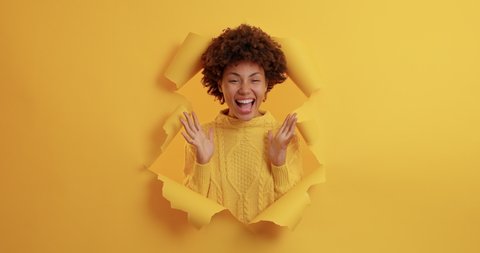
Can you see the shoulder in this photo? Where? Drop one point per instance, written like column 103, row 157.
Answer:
column 269, row 120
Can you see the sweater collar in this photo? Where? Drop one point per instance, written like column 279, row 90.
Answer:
column 265, row 119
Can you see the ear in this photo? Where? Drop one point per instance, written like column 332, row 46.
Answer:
column 220, row 86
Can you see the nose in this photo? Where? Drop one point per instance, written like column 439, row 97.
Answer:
column 244, row 88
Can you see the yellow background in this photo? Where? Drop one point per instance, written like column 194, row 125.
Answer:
column 82, row 101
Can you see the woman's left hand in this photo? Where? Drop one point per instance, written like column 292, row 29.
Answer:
column 278, row 144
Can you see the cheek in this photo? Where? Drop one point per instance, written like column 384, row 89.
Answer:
column 228, row 94
column 261, row 90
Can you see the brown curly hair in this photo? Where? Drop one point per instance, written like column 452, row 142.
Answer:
column 244, row 43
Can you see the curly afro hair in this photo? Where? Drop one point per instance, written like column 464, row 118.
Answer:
column 244, row 43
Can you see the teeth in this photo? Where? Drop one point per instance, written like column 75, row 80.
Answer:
column 244, row 101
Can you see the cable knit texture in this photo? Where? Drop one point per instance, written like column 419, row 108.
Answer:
column 240, row 176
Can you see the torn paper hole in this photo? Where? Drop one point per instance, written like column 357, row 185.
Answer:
column 287, row 210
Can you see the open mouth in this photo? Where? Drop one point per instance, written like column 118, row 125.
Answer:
column 245, row 105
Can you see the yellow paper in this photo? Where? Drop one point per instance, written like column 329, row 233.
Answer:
column 309, row 131
column 199, row 209
column 186, row 62
column 300, row 67
column 309, row 124
column 173, row 125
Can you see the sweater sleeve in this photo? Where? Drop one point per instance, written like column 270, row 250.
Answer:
column 289, row 174
column 197, row 176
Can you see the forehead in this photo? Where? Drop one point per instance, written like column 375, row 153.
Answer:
column 244, row 67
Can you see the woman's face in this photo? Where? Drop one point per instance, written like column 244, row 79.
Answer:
column 244, row 87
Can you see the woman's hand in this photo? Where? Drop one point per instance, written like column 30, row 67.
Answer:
column 197, row 137
column 277, row 150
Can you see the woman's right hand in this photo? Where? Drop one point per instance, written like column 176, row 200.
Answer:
column 196, row 136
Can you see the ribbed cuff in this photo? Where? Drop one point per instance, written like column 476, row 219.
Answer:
column 280, row 174
column 201, row 173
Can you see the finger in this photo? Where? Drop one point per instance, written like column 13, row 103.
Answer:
column 293, row 119
column 291, row 129
column 287, row 131
column 187, row 128
column 282, row 128
column 187, row 138
column 196, row 121
column 286, row 124
column 189, row 122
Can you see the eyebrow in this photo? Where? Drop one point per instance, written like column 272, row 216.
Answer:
column 236, row 74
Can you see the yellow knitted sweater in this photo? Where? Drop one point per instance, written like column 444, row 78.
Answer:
column 239, row 175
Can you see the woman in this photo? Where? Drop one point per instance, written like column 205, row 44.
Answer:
column 243, row 159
